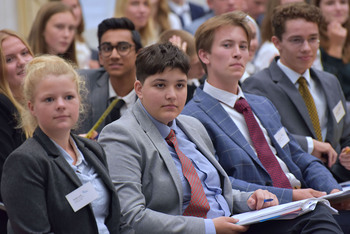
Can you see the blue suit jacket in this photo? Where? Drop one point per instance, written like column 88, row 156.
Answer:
column 239, row 159
column 197, row 11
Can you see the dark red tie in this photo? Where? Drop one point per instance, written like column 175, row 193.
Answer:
column 265, row 155
column 199, row 205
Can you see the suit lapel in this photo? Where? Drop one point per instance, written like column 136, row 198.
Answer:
column 95, row 162
column 216, row 112
column 53, row 152
column 158, row 142
column 282, row 81
column 99, row 97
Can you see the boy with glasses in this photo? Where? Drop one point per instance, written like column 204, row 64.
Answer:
column 119, row 44
column 320, row 123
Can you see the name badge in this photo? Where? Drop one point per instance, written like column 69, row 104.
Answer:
column 82, row 196
column 339, row 111
column 282, row 137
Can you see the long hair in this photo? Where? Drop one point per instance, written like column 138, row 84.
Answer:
column 36, row 39
column 162, row 16
column 324, row 40
column 147, row 33
column 4, row 85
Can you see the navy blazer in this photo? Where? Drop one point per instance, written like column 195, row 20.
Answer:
column 239, row 159
column 196, row 11
column 36, row 179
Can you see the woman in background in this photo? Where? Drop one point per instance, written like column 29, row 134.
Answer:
column 139, row 12
column 47, row 177
column 14, row 55
column 53, row 31
column 82, row 49
column 335, row 40
column 163, row 18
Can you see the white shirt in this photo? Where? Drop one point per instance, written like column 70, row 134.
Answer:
column 129, row 99
column 227, row 101
column 182, row 11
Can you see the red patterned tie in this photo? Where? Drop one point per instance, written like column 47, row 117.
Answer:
column 199, row 205
column 266, row 157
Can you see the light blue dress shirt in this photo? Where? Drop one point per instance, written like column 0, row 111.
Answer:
column 207, row 173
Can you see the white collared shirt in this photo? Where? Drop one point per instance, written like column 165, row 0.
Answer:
column 129, row 99
column 227, row 101
column 182, row 11
column 317, row 94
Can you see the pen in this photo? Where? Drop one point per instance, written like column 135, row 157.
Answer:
column 268, row 200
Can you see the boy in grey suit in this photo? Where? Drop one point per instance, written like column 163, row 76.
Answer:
column 150, row 169
column 328, row 134
column 119, row 44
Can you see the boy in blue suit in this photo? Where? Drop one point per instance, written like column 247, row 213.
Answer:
column 223, row 50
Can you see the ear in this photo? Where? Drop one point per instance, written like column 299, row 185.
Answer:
column 138, row 89
column 204, row 56
column 31, row 107
column 276, row 42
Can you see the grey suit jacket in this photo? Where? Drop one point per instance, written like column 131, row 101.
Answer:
column 275, row 85
column 35, row 181
column 96, row 102
column 146, row 179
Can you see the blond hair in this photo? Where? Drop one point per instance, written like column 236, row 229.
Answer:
column 147, row 33
column 4, row 85
column 37, row 70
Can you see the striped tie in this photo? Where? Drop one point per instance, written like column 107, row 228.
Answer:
column 199, row 205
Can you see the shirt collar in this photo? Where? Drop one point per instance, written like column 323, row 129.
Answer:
column 128, row 99
column 179, row 9
column 69, row 159
column 292, row 75
column 223, row 96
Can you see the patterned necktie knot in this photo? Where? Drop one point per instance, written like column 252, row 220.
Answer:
column 170, row 138
column 241, row 105
column 302, row 81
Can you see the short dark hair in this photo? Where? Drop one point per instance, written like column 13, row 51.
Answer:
column 119, row 23
column 156, row 58
column 290, row 11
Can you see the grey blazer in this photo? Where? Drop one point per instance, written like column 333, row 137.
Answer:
column 275, row 85
column 35, row 181
column 146, row 179
column 96, row 81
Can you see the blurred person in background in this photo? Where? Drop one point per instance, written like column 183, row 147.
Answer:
column 15, row 53
column 335, row 40
column 53, row 31
column 139, row 12
column 83, row 51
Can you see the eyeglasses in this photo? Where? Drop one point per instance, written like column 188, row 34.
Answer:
column 299, row 41
column 123, row 48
